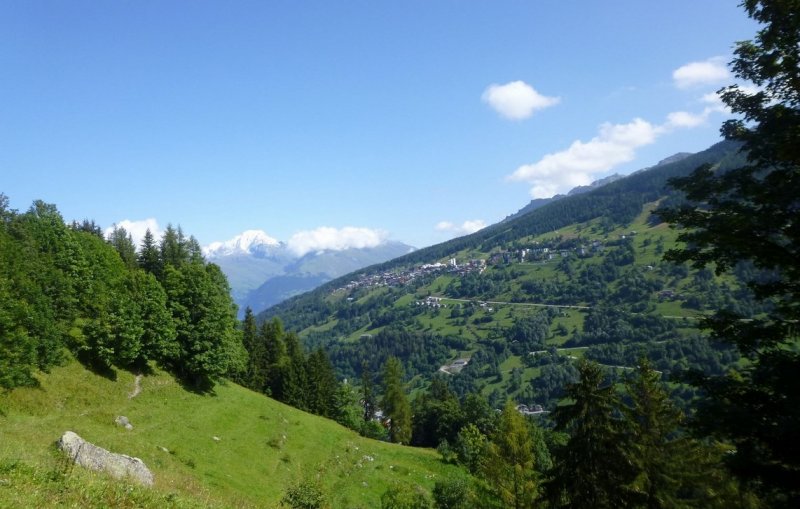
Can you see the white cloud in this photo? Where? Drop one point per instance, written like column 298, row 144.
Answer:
column 575, row 166
column 335, row 239
column 707, row 72
column 137, row 229
column 685, row 119
column 465, row 228
column 516, row 100
column 584, row 162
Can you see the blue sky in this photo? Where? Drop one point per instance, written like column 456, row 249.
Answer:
column 288, row 116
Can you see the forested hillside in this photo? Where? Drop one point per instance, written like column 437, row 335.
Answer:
column 506, row 311
column 66, row 288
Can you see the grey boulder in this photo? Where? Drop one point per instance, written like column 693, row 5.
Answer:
column 96, row 458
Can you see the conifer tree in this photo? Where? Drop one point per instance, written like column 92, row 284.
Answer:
column 172, row 248
column 368, row 397
column 509, row 462
column 276, row 362
column 123, row 243
column 322, row 386
column 395, row 403
column 437, row 415
column 256, row 374
column 295, row 390
column 659, row 453
column 591, row 470
column 149, row 256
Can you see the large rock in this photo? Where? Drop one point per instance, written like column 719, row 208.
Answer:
column 96, row 458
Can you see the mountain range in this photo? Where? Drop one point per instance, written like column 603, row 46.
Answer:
column 263, row 271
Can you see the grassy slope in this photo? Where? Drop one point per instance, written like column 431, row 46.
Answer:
column 263, row 447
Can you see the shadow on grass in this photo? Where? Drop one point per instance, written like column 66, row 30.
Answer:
column 196, row 385
column 96, row 366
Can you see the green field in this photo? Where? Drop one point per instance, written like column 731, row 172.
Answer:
column 263, row 447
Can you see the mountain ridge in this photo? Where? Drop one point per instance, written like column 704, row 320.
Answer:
column 649, row 184
column 263, row 271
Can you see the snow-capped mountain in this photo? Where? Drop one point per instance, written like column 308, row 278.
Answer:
column 264, row 271
column 250, row 242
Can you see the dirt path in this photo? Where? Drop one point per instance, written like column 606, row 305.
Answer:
column 137, row 387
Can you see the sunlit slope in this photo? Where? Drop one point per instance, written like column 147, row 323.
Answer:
column 234, row 448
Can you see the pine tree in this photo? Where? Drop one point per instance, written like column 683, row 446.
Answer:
column 276, row 362
column 395, row 403
column 123, row 243
column 194, row 251
column 658, row 451
column 256, row 374
column 149, row 256
column 296, row 390
column 592, row 469
column 173, row 250
column 322, row 384
column 368, row 398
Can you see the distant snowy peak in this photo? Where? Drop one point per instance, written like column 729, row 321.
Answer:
column 251, row 242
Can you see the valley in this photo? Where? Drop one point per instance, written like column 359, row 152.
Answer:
column 523, row 308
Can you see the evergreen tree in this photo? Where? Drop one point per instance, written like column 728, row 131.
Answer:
column 592, row 469
column 149, row 255
column 295, row 390
column 322, row 384
column 88, row 226
column 437, row 415
column 194, row 252
column 173, row 250
column 509, row 463
column 256, row 375
column 123, row 243
column 276, row 362
column 662, row 456
column 751, row 214
column 347, row 410
column 368, row 397
column 395, row 403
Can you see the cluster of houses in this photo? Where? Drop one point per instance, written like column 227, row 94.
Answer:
column 545, row 253
column 403, row 277
column 431, row 302
column 538, row 252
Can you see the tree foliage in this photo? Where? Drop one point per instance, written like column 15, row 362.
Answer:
column 591, row 470
column 750, row 214
column 509, row 465
column 64, row 287
column 395, row 402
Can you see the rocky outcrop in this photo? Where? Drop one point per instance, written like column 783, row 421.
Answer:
column 96, row 458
